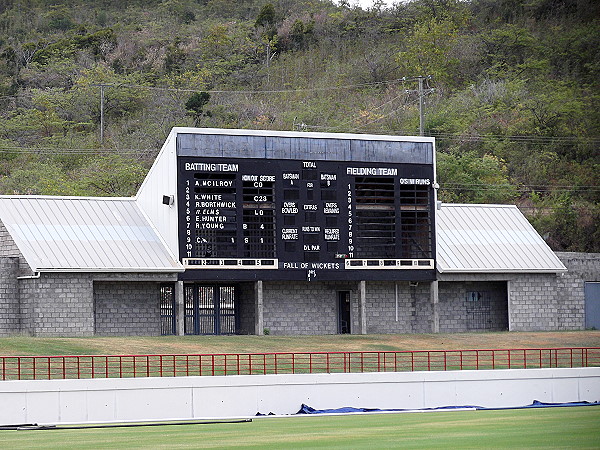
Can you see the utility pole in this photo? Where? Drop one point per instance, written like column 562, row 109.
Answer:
column 421, row 92
column 102, row 115
column 101, row 86
column 421, row 130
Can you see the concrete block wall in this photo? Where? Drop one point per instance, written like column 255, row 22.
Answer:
column 63, row 304
column 582, row 268
column 57, row 304
column 294, row 308
column 453, row 307
column 246, row 308
column 10, row 315
column 312, row 307
column 414, row 308
column 127, row 308
column 533, row 302
column 8, row 248
column 7, row 243
column 423, row 317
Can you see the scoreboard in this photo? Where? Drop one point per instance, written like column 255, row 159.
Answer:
column 305, row 219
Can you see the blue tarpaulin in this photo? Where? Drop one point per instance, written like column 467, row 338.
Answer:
column 305, row 409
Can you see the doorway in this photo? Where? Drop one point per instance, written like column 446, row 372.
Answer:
column 592, row 305
column 344, row 312
column 167, row 309
column 210, row 309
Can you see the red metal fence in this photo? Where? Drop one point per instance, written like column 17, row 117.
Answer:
column 126, row 366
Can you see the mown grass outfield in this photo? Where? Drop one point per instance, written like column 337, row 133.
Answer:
column 572, row 427
column 21, row 345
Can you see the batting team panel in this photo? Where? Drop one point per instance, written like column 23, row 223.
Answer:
column 298, row 219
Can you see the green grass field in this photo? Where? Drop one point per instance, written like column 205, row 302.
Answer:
column 573, row 427
column 23, row 345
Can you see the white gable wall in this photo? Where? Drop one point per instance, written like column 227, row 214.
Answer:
column 162, row 180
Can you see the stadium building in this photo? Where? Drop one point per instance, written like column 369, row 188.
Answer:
column 254, row 232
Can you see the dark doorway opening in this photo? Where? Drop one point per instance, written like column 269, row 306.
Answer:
column 210, row 309
column 487, row 307
column 344, row 312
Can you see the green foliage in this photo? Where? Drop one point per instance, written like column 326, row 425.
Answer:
column 468, row 178
column 567, row 225
column 266, row 16
column 112, row 175
column 59, row 18
column 36, row 177
column 428, row 50
column 195, row 105
column 516, row 107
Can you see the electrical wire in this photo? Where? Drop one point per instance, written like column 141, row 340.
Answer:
column 259, row 91
column 75, row 151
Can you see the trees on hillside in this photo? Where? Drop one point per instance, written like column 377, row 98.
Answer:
column 515, row 107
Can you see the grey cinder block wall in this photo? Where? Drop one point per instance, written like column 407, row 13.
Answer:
column 533, row 302
column 311, row 308
column 127, row 308
column 399, row 307
column 458, row 315
column 57, row 304
column 10, row 314
column 582, row 268
column 299, row 308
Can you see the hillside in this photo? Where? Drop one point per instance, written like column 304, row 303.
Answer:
column 90, row 90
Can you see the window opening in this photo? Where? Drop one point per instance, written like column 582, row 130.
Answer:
column 375, row 216
column 415, row 220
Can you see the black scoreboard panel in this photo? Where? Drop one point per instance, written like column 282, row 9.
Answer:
column 247, row 219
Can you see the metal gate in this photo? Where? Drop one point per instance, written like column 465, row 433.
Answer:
column 167, row 309
column 210, row 309
column 479, row 310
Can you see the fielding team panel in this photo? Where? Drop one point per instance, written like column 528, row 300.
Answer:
column 295, row 219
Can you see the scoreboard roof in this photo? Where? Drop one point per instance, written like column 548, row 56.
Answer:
column 224, row 143
column 490, row 239
column 82, row 234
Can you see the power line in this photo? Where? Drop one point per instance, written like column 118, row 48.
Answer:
column 69, row 151
column 258, row 91
column 516, row 138
column 443, row 136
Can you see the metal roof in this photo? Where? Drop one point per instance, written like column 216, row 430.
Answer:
column 490, row 239
column 84, row 234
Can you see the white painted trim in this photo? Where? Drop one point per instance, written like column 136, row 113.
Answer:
column 296, row 134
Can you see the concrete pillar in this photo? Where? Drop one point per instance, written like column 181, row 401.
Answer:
column 435, row 300
column 362, row 306
column 509, row 306
column 179, row 309
column 259, row 323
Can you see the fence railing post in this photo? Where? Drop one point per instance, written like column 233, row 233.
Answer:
column 92, row 366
